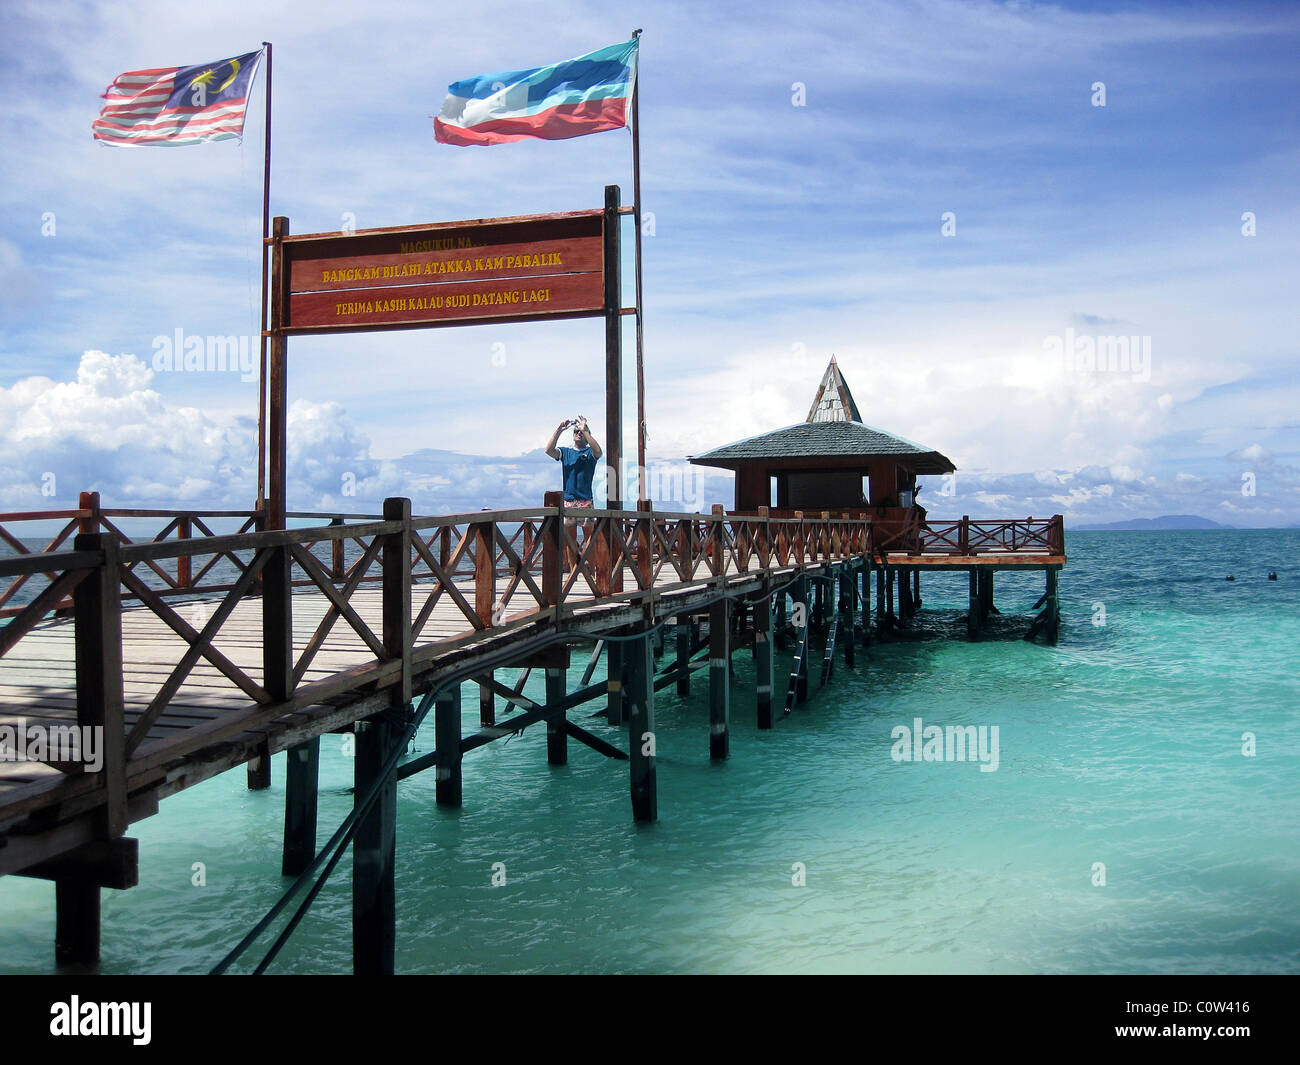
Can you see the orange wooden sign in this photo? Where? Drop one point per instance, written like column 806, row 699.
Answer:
column 458, row 273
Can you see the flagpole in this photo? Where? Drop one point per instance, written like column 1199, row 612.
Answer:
column 636, row 215
column 266, row 233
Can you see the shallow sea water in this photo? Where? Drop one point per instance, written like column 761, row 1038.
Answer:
column 1123, row 745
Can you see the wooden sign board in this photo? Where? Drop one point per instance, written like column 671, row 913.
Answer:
column 454, row 273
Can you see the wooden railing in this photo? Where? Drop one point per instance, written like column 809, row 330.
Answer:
column 1028, row 536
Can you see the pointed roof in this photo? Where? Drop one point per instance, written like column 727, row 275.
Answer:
column 834, row 401
column 833, row 434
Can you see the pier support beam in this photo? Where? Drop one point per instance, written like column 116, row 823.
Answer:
column 76, row 921
column 487, row 704
column 848, row 614
column 866, row 603
column 1053, row 606
column 615, row 704
column 881, row 619
column 300, row 791
column 916, row 587
column 719, row 678
column 638, row 686
column 446, row 725
column 973, row 614
column 763, row 659
column 557, row 735
column 801, row 646
column 259, row 770
column 684, row 643
column 374, row 851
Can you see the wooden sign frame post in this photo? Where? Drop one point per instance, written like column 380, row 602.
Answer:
column 478, row 272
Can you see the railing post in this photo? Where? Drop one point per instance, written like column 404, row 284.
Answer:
column 552, row 553
column 97, row 609
column 799, row 538
column 485, row 572
column 337, row 568
column 396, row 562
column 277, row 645
column 963, row 536
column 97, row 635
column 644, row 553
column 602, row 556
column 763, row 539
column 184, row 572
column 719, row 559
column 90, row 523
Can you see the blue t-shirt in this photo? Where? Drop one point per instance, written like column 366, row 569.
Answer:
column 579, row 467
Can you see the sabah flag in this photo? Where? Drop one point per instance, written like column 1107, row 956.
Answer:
column 589, row 94
column 177, row 105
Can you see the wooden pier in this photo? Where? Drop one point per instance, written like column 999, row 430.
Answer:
column 344, row 626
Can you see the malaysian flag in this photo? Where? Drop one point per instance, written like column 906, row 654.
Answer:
column 177, row 105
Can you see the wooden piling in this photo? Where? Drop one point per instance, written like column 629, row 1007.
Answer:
column 374, row 851
column 973, row 614
column 763, row 659
column 638, row 682
column 882, row 620
column 684, row 643
column 615, row 702
column 848, row 613
column 446, row 724
column 487, row 703
column 557, row 736
column 719, row 678
column 801, row 682
column 301, row 782
column 76, row 921
column 1053, row 605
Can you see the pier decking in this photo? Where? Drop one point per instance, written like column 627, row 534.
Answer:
column 196, row 653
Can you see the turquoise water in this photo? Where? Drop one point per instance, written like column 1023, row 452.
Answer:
column 1122, row 745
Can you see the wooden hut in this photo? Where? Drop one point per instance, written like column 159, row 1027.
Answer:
column 830, row 461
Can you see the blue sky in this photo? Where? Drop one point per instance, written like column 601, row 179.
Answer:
column 789, row 224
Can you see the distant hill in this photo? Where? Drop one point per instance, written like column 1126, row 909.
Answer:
column 1168, row 521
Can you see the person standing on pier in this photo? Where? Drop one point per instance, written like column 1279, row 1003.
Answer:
column 578, row 465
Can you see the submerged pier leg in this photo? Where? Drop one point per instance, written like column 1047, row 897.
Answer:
column 986, row 595
column 890, row 579
column 487, row 705
column 1053, row 605
column 557, row 736
column 973, row 614
column 446, row 730
column 300, row 791
column 719, row 678
column 259, row 769
column 684, row 655
column 763, row 659
column 374, row 851
column 881, row 617
column 866, row 603
column 638, row 684
column 76, row 921
column 615, row 709
column 802, row 646
column 848, row 614
column 916, row 587
column 778, row 634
